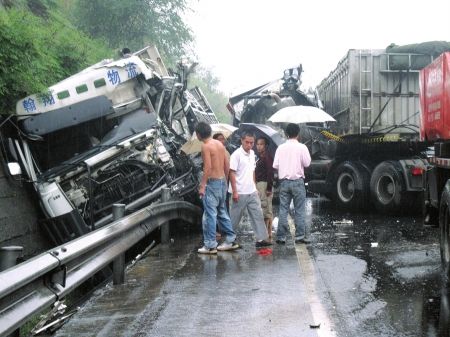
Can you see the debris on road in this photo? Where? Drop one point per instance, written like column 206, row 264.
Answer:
column 343, row 222
column 341, row 235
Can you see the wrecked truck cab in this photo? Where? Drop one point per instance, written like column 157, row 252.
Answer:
column 108, row 134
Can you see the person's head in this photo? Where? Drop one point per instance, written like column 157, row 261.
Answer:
column 292, row 130
column 220, row 137
column 261, row 144
column 125, row 52
column 247, row 140
column 203, row 130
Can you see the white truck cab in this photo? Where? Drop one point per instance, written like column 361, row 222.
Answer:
column 108, row 134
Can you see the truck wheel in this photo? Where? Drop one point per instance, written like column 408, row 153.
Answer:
column 387, row 188
column 444, row 225
column 351, row 186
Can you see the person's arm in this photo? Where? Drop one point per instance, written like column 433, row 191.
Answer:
column 269, row 168
column 254, row 168
column 306, row 157
column 233, row 185
column 275, row 164
column 226, row 164
column 206, row 156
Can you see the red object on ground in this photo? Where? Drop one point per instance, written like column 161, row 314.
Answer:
column 264, row 251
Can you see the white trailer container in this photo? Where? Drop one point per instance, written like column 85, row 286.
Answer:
column 371, row 90
column 374, row 96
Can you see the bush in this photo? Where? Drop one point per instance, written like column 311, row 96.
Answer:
column 38, row 52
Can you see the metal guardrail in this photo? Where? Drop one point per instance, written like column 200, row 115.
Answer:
column 34, row 285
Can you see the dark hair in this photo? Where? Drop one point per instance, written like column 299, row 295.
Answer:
column 292, row 130
column 125, row 51
column 217, row 135
column 203, row 130
column 247, row 134
column 266, row 141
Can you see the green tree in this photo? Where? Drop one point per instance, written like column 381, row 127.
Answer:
column 137, row 23
column 208, row 83
column 39, row 53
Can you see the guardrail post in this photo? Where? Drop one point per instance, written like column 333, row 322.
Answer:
column 118, row 211
column 8, row 258
column 165, row 229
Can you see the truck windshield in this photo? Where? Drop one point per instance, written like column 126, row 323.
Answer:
column 80, row 141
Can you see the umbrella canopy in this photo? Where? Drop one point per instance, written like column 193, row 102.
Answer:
column 259, row 130
column 300, row 114
column 193, row 145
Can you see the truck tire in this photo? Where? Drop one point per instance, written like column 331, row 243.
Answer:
column 444, row 225
column 351, row 186
column 387, row 188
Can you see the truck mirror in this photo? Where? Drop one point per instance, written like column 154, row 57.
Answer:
column 14, row 169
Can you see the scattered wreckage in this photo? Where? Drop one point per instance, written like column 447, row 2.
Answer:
column 257, row 105
column 108, row 134
column 372, row 156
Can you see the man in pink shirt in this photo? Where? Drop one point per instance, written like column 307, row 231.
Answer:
column 290, row 160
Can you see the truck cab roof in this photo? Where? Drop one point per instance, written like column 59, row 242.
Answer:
column 106, row 88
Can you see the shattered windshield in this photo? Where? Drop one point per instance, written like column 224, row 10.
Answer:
column 71, row 145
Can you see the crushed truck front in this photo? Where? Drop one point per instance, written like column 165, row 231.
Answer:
column 108, row 134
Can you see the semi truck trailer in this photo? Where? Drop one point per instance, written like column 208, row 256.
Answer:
column 379, row 159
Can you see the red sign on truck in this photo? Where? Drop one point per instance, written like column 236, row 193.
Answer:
column 435, row 99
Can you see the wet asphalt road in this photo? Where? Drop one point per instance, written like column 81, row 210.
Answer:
column 363, row 275
column 382, row 273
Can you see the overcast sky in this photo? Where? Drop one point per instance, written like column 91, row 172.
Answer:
column 249, row 42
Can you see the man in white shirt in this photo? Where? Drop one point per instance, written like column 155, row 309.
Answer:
column 244, row 192
column 290, row 160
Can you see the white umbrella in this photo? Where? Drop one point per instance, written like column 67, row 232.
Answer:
column 300, row 114
column 193, row 145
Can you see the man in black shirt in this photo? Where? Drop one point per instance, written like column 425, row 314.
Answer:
column 264, row 181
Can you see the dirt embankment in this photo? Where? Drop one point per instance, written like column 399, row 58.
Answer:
column 19, row 213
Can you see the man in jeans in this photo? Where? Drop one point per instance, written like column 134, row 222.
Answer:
column 264, row 181
column 212, row 191
column 243, row 188
column 290, row 160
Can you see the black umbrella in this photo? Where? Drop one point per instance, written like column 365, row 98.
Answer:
column 259, row 130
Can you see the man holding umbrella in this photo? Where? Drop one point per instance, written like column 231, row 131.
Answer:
column 290, row 160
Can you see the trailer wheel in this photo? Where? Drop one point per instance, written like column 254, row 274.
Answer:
column 351, row 186
column 387, row 188
column 444, row 225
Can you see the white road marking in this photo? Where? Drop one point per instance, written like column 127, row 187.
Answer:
column 308, row 276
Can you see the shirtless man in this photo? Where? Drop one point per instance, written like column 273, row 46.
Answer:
column 212, row 191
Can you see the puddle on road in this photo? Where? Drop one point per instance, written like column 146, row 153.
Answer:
column 382, row 272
